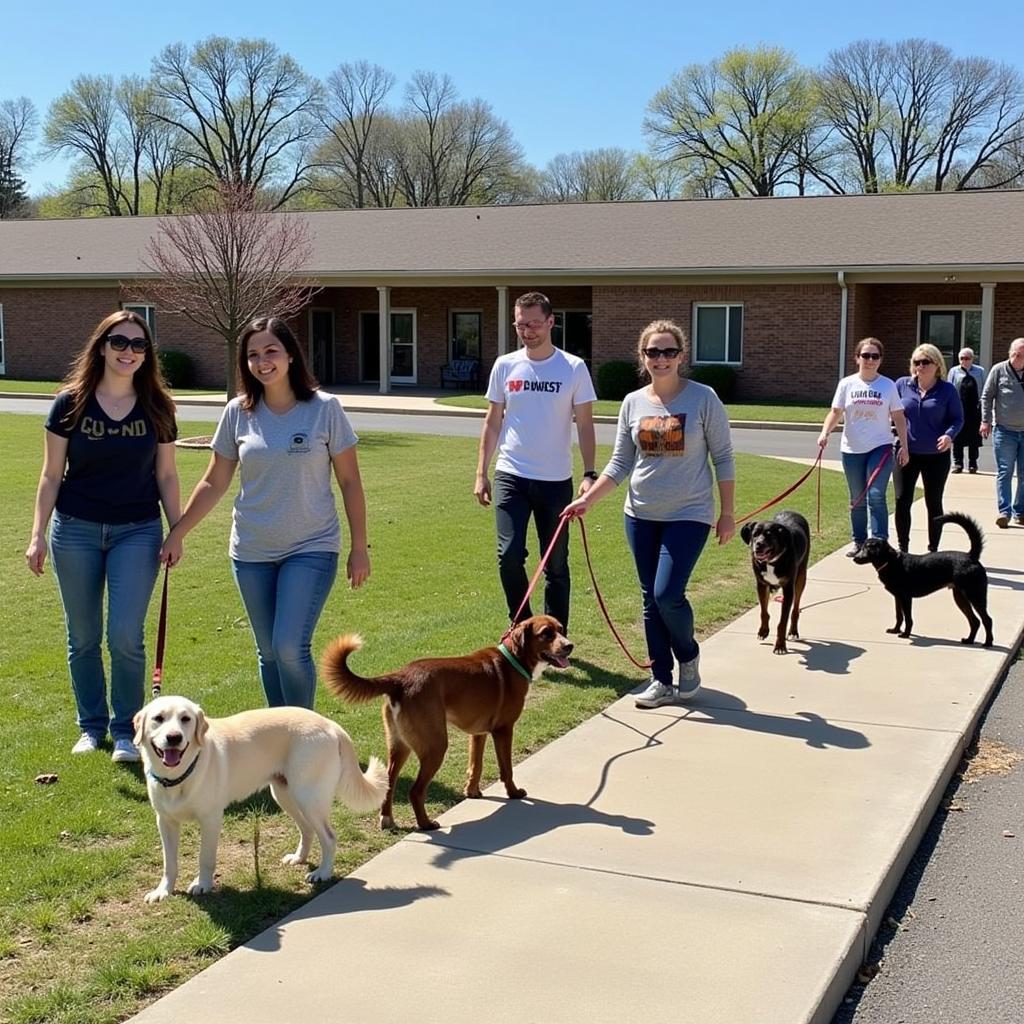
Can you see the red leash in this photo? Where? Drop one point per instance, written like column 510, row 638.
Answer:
column 161, row 638
column 790, row 490
column 871, row 479
column 536, row 576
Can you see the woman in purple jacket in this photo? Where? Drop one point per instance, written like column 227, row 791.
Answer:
column 934, row 418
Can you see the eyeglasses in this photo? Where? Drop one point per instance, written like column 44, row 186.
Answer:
column 529, row 325
column 870, row 355
column 118, row 342
column 662, row 353
column 967, row 357
column 922, row 362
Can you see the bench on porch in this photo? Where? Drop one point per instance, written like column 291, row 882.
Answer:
column 461, row 373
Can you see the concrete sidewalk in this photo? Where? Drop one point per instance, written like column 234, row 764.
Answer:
column 721, row 863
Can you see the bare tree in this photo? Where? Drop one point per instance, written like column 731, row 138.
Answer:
column 227, row 263
column 354, row 96
column 597, row 175
column 659, row 179
column 18, row 124
column 247, row 110
column 743, row 115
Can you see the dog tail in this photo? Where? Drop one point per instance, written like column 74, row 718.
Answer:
column 970, row 527
column 361, row 791
column 342, row 682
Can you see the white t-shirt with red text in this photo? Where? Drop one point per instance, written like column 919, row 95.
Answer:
column 867, row 408
column 539, row 396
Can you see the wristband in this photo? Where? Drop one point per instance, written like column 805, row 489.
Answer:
column 590, row 474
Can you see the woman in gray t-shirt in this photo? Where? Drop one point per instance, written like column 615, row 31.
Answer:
column 288, row 438
column 670, row 434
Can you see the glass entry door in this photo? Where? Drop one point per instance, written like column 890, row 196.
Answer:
column 402, row 338
column 950, row 330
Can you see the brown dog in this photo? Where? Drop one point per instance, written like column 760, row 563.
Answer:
column 480, row 693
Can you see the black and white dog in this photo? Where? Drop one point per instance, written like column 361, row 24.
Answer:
column 909, row 576
column 779, row 550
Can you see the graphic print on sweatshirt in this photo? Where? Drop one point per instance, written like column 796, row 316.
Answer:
column 662, row 435
column 549, row 386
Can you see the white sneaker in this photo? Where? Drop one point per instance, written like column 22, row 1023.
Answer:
column 125, row 750
column 656, row 695
column 87, row 744
column 689, row 678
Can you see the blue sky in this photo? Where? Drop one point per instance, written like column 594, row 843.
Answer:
column 564, row 74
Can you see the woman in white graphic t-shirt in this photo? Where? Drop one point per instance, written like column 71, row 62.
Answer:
column 868, row 404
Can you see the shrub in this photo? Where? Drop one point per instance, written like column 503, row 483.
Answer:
column 616, row 378
column 177, row 368
column 721, row 378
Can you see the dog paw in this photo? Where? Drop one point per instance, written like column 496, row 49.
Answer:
column 292, row 858
column 386, row 823
column 429, row 826
column 905, row 635
column 199, row 887
column 762, row 634
column 514, row 793
column 792, row 635
column 780, row 649
column 161, row 892
column 319, row 875
column 967, row 639
column 473, row 792
column 894, row 629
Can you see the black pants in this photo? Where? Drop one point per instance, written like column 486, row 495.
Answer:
column 972, row 442
column 515, row 499
column 933, row 471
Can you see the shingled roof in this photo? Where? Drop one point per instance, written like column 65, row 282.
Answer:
column 964, row 231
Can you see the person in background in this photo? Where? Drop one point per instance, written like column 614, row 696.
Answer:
column 968, row 378
column 934, row 417
column 1002, row 416
column 533, row 396
column 670, row 434
column 288, row 438
column 867, row 403
column 108, row 466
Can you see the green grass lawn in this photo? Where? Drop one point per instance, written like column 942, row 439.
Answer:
column 773, row 412
column 77, row 945
column 51, row 387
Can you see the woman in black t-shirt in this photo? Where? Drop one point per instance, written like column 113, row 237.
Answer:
column 108, row 466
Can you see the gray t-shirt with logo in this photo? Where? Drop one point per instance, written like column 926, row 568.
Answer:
column 285, row 504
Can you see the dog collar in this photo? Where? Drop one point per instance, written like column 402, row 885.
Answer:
column 511, row 658
column 170, row 783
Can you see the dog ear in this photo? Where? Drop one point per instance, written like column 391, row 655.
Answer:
column 746, row 531
column 138, row 722
column 202, row 724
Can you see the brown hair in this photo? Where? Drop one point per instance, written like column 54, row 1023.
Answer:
column 658, row 327
column 869, row 341
column 87, row 371
column 534, row 299
column 303, row 383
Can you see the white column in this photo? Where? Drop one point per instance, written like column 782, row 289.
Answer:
column 502, row 319
column 384, row 337
column 988, row 305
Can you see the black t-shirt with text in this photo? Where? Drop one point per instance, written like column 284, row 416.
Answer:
column 110, row 476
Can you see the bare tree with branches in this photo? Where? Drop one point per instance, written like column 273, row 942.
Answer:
column 247, row 110
column 18, row 123
column 597, row 175
column 232, row 260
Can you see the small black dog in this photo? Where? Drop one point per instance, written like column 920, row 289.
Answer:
column 909, row 576
column 779, row 550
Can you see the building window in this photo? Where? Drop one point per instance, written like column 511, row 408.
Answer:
column 148, row 313
column 3, row 364
column 717, row 333
column 950, row 329
column 573, row 332
column 466, row 334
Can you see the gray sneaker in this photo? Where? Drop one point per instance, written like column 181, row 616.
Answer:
column 656, row 695
column 689, row 678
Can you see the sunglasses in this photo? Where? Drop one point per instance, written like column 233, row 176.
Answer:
column 922, row 362
column 118, row 342
column 658, row 353
column 871, row 355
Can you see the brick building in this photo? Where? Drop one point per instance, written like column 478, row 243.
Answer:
column 778, row 288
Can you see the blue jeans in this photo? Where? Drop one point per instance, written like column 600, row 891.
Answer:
column 283, row 601
column 665, row 554
column 515, row 498
column 86, row 556
column 858, row 469
column 1008, row 446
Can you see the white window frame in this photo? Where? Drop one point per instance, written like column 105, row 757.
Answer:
column 415, row 343
column 697, row 306
column 451, row 329
column 148, row 313
column 3, row 364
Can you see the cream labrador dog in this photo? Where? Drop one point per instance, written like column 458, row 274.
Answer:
column 196, row 766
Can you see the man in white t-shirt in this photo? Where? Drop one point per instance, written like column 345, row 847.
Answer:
column 533, row 394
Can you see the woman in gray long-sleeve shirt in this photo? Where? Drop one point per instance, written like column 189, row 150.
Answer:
column 670, row 434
